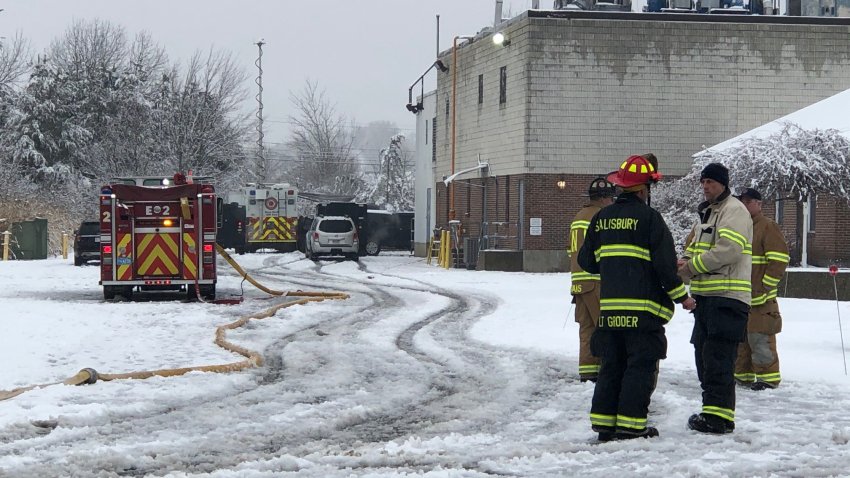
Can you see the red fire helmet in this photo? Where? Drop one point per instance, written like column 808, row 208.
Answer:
column 634, row 171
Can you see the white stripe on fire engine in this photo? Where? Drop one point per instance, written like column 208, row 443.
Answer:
column 209, row 237
column 105, row 238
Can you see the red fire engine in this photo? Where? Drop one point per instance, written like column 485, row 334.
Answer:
column 157, row 234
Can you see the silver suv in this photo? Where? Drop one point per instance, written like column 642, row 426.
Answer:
column 332, row 236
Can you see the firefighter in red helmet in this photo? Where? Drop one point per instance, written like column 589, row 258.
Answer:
column 629, row 245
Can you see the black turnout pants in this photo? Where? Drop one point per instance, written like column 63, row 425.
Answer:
column 720, row 324
column 629, row 370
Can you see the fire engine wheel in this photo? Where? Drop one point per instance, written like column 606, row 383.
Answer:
column 78, row 261
column 108, row 292
column 127, row 292
column 208, row 291
column 373, row 248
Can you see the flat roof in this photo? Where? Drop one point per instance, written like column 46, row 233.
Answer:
column 689, row 17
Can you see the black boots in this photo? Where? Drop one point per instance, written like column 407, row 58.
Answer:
column 758, row 386
column 706, row 423
column 626, row 434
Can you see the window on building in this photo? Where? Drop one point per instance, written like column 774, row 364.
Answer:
column 503, row 85
column 434, row 139
column 481, row 89
column 507, row 199
column 426, row 132
column 468, row 197
column 780, row 210
column 812, row 208
column 447, row 110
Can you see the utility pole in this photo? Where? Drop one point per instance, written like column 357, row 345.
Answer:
column 261, row 160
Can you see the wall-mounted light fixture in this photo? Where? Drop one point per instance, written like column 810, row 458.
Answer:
column 500, row 40
column 561, row 184
column 415, row 108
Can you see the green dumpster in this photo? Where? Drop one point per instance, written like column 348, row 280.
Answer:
column 29, row 239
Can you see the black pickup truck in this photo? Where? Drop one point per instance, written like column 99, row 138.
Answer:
column 87, row 242
column 387, row 230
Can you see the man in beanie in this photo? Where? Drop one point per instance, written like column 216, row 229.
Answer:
column 629, row 245
column 718, row 262
column 758, row 362
column 585, row 286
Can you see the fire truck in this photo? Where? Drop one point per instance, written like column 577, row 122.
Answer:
column 271, row 214
column 158, row 234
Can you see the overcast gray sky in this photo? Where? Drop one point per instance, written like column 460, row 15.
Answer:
column 364, row 53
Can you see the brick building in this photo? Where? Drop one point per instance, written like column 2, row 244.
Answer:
column 570, row 94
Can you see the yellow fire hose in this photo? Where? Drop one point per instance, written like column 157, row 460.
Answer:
column 252, row 359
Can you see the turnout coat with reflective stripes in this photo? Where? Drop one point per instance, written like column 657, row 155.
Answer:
column 770, row 258
column 582, row 281
column 719, row 252
column 629, row 245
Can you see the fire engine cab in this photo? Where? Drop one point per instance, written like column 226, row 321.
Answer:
column 271, row 211
column 158, row 234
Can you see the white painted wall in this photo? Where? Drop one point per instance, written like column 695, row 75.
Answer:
column 424, row 222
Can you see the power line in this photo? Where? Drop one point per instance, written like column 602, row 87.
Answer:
column 371, row 150
column 347, row 125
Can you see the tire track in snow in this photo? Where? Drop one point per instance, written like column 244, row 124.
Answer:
column 427, row 392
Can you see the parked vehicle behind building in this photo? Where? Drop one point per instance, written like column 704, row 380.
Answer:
column 386, row 230
column 332, row 236
column 87, row 242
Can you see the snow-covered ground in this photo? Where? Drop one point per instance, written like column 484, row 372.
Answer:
column 423, row 371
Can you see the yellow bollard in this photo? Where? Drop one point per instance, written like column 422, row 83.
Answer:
column 6, row 236
column 447, row 254
column 440, row 251
column 64, row 245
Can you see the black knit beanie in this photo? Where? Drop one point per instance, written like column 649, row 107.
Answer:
column 717, row 172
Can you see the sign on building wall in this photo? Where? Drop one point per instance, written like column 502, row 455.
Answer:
column 536, row 226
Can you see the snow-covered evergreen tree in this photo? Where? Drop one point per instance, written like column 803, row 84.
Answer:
column 393, row 189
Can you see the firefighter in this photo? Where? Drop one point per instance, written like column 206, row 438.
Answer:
column 629, row 245
column 718, row 260
column 758, row 362
column 585, row 286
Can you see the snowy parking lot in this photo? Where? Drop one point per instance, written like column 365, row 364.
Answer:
column 422, row 371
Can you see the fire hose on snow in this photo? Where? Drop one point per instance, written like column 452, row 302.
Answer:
column 252, row 358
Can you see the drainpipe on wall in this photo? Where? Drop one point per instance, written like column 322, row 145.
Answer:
column 454, row 120
column 804, row 258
